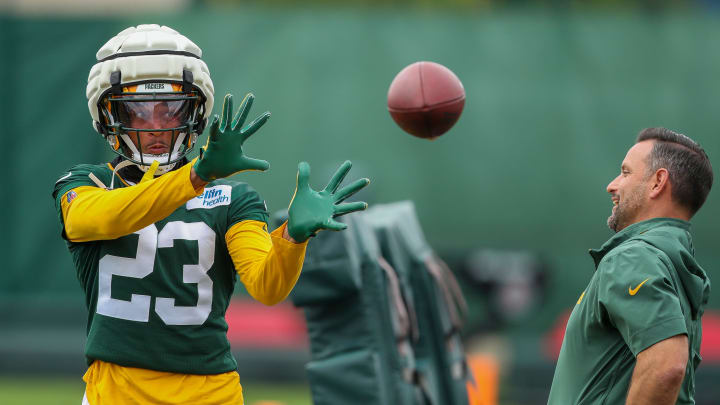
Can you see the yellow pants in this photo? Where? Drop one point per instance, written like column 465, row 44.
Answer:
column 108, row 383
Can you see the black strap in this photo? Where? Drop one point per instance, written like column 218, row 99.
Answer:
column 144, row 53
column 115, row 79
column 187, row 80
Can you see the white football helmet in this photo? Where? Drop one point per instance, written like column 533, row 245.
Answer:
column 150, row 79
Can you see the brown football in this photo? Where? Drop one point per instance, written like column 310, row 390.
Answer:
column 425, row 99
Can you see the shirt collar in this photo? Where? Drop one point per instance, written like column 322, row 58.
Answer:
column 134, row 174
column 633, row 230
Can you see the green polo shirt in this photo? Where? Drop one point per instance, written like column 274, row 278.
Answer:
column 647, row 287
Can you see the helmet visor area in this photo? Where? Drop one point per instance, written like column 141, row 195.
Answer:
column 160, row 114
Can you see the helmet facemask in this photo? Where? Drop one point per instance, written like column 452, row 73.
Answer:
column 130, row 111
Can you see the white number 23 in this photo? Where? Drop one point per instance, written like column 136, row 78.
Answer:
column 138, row 307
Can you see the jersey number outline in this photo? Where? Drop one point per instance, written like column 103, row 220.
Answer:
column 138, row 307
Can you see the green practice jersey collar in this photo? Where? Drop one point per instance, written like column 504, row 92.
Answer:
column 633, row 230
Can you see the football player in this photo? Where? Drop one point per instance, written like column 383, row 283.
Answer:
column 158, row 241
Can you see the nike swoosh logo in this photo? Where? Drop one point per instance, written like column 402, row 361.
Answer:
column 580, row 299
column 634, row 291
column 64, row 177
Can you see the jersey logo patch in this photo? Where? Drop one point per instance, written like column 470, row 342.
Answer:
column 71, row 196
column 212, row 197
column 634, row 291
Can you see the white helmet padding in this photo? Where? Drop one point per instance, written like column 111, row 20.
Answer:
column 142, row 54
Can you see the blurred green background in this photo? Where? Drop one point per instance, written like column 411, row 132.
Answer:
column 556, row 92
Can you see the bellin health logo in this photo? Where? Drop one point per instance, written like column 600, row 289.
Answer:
column 212, row 197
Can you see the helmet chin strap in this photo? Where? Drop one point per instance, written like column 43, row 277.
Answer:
column 124, row 163
column 162, row 168
column 147, row 157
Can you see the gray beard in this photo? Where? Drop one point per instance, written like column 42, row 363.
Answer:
column 627, row 210
column 612, row 221
column 623, row 214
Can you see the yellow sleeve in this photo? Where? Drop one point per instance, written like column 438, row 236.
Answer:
column 98, row 214
column 268, row 264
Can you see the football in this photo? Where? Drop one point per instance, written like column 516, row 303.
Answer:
column 426, row 99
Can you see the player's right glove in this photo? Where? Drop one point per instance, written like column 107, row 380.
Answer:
column 223, row 155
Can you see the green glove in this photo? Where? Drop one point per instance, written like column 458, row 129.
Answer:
column 311, row 211
column 223, row 155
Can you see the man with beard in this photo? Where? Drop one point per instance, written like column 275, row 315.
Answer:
column 634, row 334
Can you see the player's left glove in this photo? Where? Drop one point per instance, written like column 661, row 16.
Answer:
column 223, row 154
column 311, row 211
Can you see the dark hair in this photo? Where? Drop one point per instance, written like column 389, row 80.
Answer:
column 687, row 163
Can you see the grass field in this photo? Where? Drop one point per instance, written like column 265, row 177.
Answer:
column 69, row 391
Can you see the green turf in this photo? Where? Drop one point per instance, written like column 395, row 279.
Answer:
column 255, row 393
column 69, row 391
column 41, row 390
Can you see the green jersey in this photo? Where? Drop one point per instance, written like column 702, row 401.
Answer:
column 647, row 287
column 157, row 298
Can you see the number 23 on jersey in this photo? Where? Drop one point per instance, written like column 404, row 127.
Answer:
column 138, row 307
